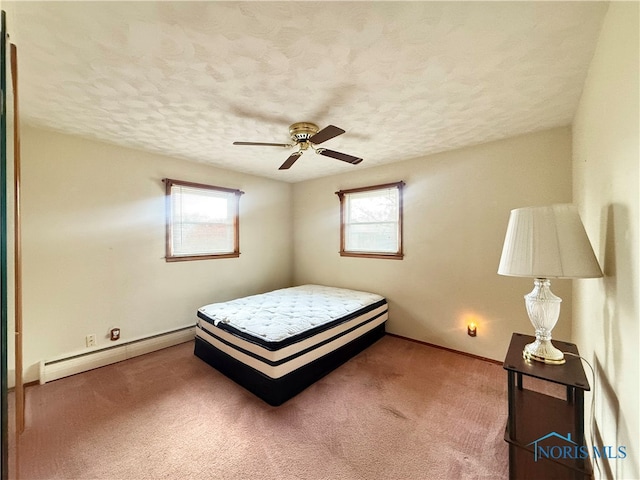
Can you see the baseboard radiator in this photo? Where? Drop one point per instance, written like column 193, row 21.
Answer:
column 63, row 367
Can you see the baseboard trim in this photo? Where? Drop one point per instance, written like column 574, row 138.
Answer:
column 28, row 384
column 63, row 367
column 477, row 357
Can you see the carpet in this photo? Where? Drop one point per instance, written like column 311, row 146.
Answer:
column 398, row 410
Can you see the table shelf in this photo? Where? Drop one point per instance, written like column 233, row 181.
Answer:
column 554, row 425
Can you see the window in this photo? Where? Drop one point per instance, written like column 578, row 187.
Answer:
column 371, row 221
column 202, row 221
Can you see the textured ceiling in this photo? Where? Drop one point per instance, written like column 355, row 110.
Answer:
column 404, row 79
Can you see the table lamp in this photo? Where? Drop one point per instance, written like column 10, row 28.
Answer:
column 543, row 243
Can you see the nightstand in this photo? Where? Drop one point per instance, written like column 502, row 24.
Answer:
column 546, row 433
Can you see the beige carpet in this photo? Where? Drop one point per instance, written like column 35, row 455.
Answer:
column 399, row 410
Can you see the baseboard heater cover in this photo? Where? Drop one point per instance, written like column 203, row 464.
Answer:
column 63, row 367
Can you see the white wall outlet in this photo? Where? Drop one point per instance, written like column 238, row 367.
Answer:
column 91, row 340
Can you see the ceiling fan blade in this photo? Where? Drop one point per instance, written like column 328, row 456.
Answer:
column 264, row 144
column 339, row 156
column 290, row 161
column 327, row 133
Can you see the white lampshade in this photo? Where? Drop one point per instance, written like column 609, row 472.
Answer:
column 547, row 242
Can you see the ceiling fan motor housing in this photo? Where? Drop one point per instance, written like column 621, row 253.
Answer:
column 301, row 132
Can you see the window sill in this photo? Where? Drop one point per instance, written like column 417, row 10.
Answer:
column 187, row 258
column 390, row 256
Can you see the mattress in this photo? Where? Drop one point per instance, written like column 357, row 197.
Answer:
column 277, row 343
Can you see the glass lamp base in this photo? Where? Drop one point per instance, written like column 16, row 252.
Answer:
column 543, row 351
column 543, row 308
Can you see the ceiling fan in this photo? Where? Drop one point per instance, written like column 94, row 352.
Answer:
column 305, row 135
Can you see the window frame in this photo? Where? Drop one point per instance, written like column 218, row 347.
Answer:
column 169, row 254
column 399, row 254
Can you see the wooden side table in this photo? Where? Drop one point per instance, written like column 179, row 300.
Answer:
column 546, row 433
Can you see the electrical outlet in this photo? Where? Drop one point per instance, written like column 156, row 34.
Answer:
column 114, row 334
column 91, row 340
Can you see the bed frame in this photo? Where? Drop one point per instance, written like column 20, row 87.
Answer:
column 277, row 391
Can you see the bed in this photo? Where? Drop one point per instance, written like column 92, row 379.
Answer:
column 278, row 343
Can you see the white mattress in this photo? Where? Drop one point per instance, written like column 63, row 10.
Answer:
column 280, row 314
column 349, row 314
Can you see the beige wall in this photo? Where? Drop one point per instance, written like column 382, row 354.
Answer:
column 94, row 239
column 607, row 190
column 93, row 228
column 456, row 208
